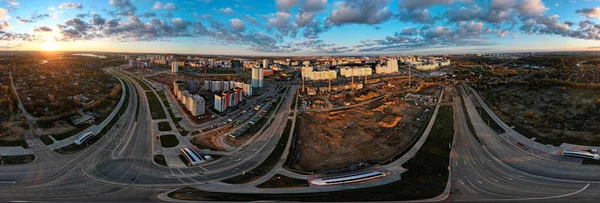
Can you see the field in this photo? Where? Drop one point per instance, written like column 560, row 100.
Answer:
column 552, row 113
column 347, row 139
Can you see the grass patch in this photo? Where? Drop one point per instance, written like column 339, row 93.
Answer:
column 137, row 108
column 266, row 165
column 160, row 160
column 65, row 135
column 164, row 126
column 426, row 178
column 464, row 108
column 294, row 101
column 156, row 110
column 168, row 141
column 590, row 162
column 491, row 122
column 46, row 139
column 282, row 90
column 14, row 143
column 20, row 159
column 281, row 181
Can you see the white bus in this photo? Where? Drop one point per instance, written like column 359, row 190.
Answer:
column 83, row 138
column 193, row 157
column 350, row 178
column 580, row 154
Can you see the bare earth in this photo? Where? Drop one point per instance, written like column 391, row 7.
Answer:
column 333, row 140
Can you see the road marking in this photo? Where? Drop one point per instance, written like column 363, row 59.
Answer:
column 533, row 198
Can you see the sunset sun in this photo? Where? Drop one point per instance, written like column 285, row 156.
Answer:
column 49, row 46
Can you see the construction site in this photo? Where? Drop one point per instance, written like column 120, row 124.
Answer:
column 350, row 129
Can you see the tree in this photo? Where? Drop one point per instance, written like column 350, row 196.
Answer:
column 531, row 115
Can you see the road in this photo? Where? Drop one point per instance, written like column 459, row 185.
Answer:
column 119, row 167
column 120, row 164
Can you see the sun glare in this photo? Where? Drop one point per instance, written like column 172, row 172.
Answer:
column 49, row 46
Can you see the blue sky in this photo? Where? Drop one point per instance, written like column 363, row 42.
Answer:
column 300, row 27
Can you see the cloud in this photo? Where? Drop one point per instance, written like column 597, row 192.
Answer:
column 124, row 7
column 281, row 22
column 97, row 20
column 285, row 5
column 314, row 5
column 416, row 4
column 147, row 14
column 370, row 12
column 227, row 11
column 237, row 25
column 530, row 7
column 4, row 14
column 589, row 12
column 416, row 15
column 251, row 19
column 23, row 20
column 42, row 29
column 204, row 16
column 170, row 6
column 408, row 31
column 13, row 3
column 5, row 25
column 157, row 6
column 70, row 6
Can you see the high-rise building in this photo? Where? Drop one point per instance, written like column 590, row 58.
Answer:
column 174, row 67
column 390, row 67
column 356, row 71
column 265, row 64
column 261, row 77
column 257, row 77
column 198, row 106
column 308, row 73
column 191, row 85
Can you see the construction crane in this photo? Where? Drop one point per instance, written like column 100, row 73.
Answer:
column 329, row 89
column 352, row 74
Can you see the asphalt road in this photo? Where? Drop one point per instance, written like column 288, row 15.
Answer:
column 119, row 167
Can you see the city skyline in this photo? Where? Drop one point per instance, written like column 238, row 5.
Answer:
column 301, row 27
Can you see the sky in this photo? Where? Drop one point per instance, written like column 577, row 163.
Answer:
column 300, row 27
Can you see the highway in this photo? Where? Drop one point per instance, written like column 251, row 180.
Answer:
column 119, row 167
column 476, row 176
column 120, row 164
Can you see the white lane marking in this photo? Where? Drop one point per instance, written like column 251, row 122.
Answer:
column 533, row 198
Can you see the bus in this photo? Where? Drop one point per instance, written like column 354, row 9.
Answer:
column 82, row 138
column 580, row 154
column 192, row 157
